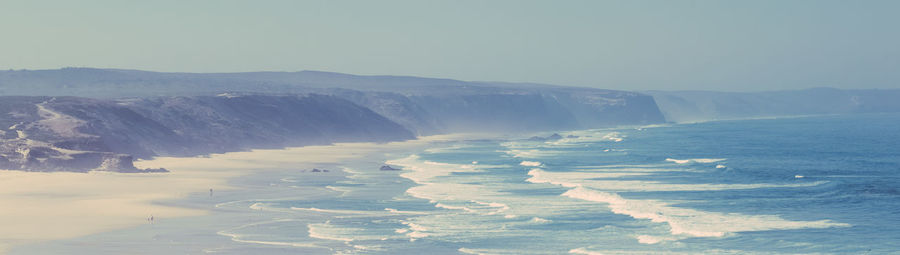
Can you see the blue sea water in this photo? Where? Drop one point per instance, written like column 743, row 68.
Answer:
column 826, row 184
column 810, row 185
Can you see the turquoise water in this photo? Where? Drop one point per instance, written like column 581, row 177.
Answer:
column 825, row 184
column 795, row 185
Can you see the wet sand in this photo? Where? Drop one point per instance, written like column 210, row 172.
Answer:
column 41, row 207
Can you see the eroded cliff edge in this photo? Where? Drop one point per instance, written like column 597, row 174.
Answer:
column 97, row 119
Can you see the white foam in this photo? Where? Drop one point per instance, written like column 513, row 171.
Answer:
column 695, row 160
column 313, row 209
column 368, row 248
column 579, row 139
column 451, row 148
column 227, row 95
column 241, row 239
column 413, row 226
column 425, row 171
column 593, row 180
column 395, row 211
column 530, row 163
column 693, row 223
column 469, row 251
column 614, row 136
column 446, row 194
column 538, row 176
column 572, row 179
column 721, row 167
column 318, row 231
column 708, row 160
column 257, row 206
column 584, row 251
column 679, row 161
column 447, row 191
column 342, row 190
column 473, row 206
column 414, row 231
column 496, row 207
column 533, row 153
column 648, row 239
column 463, row 208
column 539, row 220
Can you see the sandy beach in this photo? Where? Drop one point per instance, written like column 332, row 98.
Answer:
column 52, row 206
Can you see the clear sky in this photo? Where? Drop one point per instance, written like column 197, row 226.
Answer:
column 632, row 45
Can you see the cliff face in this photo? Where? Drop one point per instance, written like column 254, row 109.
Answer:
column 502, row 110
column 80, row 134
column 683, row 106
column 78, row 119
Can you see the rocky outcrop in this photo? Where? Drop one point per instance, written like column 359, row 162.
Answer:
column 388, row 168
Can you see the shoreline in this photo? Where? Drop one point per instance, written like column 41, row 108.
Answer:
column 255, row 202
column 63, row 205
column 66, row 206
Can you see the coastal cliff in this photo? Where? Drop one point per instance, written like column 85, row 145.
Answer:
column 82, row 134
column 688, row 106
column 83, row 119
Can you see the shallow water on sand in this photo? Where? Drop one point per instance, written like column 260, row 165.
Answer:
column 796, row 185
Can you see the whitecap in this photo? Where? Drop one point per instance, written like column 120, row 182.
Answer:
column 539, row 220
column 607, row 181
column 533, row 153
column 530, row 163
column 395, row 211
column 257, row 206
column 695, row 160
column 414, row 231
column 462, row 208
column 648, row 239
column 342, row 190
column 679, row 161
column 614, row 136
column 693, row 223
column 584, row 251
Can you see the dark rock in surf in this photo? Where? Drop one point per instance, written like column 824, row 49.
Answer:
column 388, row 168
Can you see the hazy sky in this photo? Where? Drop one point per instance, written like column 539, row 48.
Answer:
column 633, row 45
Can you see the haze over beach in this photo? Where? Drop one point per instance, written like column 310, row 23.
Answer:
column 449, row 127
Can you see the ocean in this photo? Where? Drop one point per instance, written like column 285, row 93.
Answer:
column 820, row 184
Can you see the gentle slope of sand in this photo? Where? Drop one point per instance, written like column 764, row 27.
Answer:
column 37, row 207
